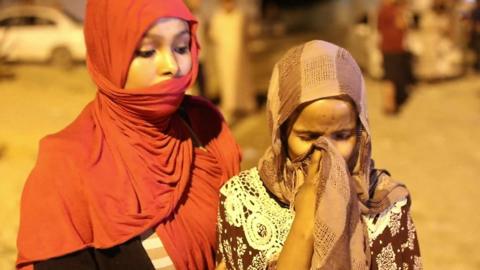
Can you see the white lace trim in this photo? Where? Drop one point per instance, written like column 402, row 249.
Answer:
column 266, row 224
column 247, row 204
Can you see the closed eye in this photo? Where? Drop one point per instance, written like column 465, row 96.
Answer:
column 182, row 49
column 309, row 136
column 343, row 135
column 182, row 43
column 145, row 53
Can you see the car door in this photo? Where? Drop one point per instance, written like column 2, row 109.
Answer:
column 7, row 37
column 27, row 37
column 46, row 35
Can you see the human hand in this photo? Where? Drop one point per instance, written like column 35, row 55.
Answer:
column 306, row 195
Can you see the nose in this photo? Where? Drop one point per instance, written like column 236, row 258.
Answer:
column 167, row 64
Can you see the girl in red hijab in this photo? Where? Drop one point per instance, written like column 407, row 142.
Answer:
column 133, row 182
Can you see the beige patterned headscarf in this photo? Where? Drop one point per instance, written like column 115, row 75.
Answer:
column 316, row 70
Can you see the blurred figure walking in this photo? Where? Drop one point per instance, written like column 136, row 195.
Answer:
column 392, row 26
column 196, row 6
column 228, row 33
column 3, row 150
column 435, row 44
column 475, row 34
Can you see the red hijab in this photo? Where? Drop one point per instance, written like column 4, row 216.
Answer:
column 127, row 163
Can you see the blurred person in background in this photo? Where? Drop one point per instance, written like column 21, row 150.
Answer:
column 437, row 54
column 122, row 186
column 197, row 10
column 475, row 34
column 228, row 31
column 362, row 43
column 392, row 26
column 3, row 149
column 316, row 200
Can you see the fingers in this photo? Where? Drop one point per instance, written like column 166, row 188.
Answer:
column 314, row 166
column 316, row 156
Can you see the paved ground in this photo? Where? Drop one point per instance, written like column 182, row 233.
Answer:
column 433, row 146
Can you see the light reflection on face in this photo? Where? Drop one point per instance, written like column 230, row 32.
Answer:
column 163, row 53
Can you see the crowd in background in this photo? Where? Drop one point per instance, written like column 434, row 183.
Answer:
column 241, row 39
column 440, row 40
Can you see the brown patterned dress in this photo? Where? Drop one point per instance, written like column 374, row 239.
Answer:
column 253, row 225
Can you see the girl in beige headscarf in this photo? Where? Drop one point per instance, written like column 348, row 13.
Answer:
column 315, row 201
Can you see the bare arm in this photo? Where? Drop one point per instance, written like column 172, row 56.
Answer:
column 298, row 248
column 221, row 266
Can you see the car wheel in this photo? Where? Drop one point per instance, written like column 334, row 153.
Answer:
column 62, row 58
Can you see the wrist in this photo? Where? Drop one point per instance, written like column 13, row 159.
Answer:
column 302, row 226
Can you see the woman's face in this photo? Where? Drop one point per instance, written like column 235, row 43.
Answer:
column 333, row 119
column 163, row 53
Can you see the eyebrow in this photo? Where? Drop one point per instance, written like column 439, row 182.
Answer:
column 155, row 36
column 306, row 131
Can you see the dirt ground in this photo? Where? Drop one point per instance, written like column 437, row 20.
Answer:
column 433, row 146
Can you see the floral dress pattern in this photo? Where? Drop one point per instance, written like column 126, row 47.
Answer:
column 253, row 225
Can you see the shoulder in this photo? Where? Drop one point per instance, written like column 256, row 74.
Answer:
column 243, row 193
column 233, row 194
column 53, row 195
column 393, row 238
column 72, row 141
column 250, row 222
column 245, row 197
column 377, row 224
column 60, row 157
column 247, row 181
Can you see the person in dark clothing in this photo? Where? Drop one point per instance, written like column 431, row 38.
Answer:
column 475, row 34
column 392, row 26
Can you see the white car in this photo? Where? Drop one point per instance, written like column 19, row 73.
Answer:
column 39, row 33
